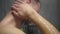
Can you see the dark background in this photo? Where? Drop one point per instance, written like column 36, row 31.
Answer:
column 49, row 9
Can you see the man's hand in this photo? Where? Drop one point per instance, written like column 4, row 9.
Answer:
column 22, row 9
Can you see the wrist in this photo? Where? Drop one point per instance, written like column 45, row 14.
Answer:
column 33, row 15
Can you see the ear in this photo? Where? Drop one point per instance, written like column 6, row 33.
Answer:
column 29, row 1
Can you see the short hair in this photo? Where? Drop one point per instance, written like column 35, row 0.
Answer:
column 37, row 0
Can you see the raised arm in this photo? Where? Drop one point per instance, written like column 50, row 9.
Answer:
column 45, row 26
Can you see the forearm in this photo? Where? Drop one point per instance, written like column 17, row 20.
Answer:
column 45, row 26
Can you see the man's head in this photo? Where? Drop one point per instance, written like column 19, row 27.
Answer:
column 34, row 3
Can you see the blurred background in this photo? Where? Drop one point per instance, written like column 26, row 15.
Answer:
column 50, row 9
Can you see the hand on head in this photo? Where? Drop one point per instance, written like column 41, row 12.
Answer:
column 23, row 8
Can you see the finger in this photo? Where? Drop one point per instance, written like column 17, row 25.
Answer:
column 15, row 13
column 14, row 8
column 16, row 5
column 20, row 1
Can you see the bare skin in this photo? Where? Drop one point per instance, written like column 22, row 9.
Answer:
column 31, row 14
column 10, row 22
column 9, row 18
